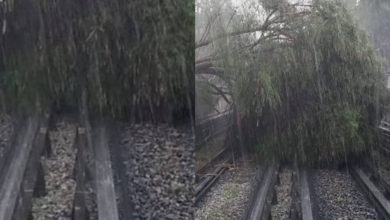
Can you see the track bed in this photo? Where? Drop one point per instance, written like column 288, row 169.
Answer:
column 283, row 200
column 336, row 195
column 57, row 201
column 230, row 195
column 153, row 171
column 6, row 133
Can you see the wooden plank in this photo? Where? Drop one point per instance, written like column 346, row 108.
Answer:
column 295, row 209
column 381, row 204
column 34, row 166
column 26, row 194
column 375, row 176
column 89, row 150
column 79, row 205
column 262, row 202
column 13, row 178
column 6, row 156
column 306, row 208
column 118, row 156
column 106, row 199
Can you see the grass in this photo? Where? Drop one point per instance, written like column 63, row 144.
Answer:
column 230, row 191
column 213, row 214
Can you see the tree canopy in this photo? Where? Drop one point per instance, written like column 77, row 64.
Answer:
column 304, row 79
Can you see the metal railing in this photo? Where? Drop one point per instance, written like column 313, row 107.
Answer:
column 211, row 126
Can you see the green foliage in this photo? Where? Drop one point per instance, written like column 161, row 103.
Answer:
column 316, row 97
column 134, row 58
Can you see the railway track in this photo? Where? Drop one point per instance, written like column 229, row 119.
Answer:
column 218, row 157
column 260, row 205
column 153, row 170
column 340, row 196
column 21, row 173
column 304, row 204
column 209, row 172
column 105, row 191
column 10, row 137
column 375, row 191
column 208, row 180
column 207, row 175
column 22, row 177
column 353, row 193
column 263, row 195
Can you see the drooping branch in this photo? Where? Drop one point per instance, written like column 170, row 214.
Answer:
column 202, row 66
column 212, row 71
column 232, row 34
column 266, row 26
column 204, row 59
column 221, row 92
column 218, row 91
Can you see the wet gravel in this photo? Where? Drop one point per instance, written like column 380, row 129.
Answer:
column 58, row 169
column 281, row 210
column 158, row 166
column 6, row 132
column 338, row 197
column 90, row 198
column 229, row 197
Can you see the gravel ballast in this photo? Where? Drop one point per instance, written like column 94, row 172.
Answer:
column 157, row 165
column 338, row 197
column 281, row 210
column 229, row 197
column 6, row 132
column 58, row 169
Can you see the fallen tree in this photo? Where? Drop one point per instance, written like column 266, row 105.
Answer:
column 308, row 87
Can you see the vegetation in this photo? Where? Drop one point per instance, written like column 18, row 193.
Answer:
column 374, row 15
column 304, row 79
column 133, row 58
column 206, row 99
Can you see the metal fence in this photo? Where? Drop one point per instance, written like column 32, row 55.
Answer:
column 211, row 126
